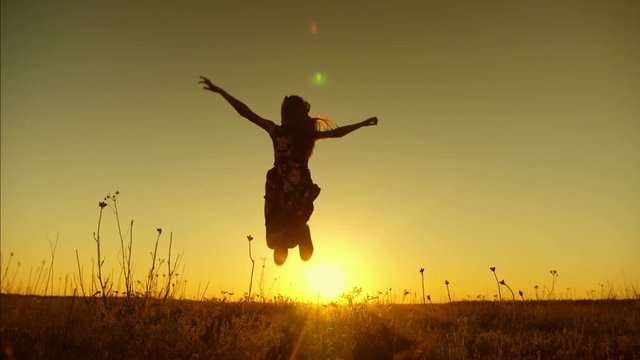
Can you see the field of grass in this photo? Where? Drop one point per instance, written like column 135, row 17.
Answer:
column 35, row 327
column 148, row 318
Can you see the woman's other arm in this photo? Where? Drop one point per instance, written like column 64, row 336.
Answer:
column 240, row 107
column 344, row 130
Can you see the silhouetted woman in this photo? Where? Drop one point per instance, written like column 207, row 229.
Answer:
column 289, row 190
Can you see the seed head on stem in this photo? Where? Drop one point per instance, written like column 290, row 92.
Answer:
column 424, row 303
column 253, row 263
column 502, row 282
column 446, row 283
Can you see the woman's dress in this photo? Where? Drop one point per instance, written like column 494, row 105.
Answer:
column 289, row 194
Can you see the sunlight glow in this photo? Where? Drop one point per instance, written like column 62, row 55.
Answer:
column 326, row 281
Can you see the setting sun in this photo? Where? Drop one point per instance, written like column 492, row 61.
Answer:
column 326, row 281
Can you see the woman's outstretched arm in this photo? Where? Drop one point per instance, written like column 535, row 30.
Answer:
column 344, row 130
column 240, row 107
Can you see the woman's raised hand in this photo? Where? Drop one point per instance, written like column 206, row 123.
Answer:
column 372, row 121
column 208, row 85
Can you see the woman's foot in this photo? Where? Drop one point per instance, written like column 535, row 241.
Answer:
column 305, row 243
column 280, row 255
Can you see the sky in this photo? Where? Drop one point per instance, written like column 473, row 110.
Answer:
column 508, row 136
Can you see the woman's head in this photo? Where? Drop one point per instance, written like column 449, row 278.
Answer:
column 295, row 117
column 294, row 109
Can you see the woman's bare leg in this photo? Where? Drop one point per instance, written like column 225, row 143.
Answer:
column 280, row 255
column 305, row 243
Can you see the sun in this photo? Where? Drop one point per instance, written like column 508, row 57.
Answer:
column 326, row 281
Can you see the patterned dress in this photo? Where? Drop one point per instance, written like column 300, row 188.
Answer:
column 289, row 194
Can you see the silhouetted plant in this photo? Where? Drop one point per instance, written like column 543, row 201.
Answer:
column 253, row 263
column 264, row 259
column 446, row 283
column 52, row 249
column 493, row 270
column 424, row 303
column 152, row 271
column 13, row 279
column 170, row 271
column 554, row 276
column 536, row 287
column 80, row 275
column 37, row 281
column 96, row 236
column 6, row 270
column 125, row 252
column 521, row 294
column 513, row 297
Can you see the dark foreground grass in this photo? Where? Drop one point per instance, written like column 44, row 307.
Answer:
column 65, row 328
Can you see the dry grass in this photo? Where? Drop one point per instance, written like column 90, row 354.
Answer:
column 35, row 327
column 147, row 321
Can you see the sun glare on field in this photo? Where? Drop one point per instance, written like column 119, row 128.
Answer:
column 326, row 281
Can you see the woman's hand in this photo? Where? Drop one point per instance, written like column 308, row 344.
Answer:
column 372, row 121
column 208, row 85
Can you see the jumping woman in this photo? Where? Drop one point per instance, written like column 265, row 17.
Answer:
column 289, row 190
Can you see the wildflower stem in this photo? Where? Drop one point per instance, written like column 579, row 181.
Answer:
column 6, row 270
column 103, row 286
column 80, row 279
column 554, row 276
column 253, row 263
column 153, row 265
column 424, row 301
column 169, row 273
column 498, row 283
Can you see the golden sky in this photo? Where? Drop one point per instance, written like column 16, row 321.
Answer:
column 509, row 136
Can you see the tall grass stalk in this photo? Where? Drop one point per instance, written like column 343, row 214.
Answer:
column 125, row 252
column 554, row 276
column 96, row 237
column 170, row 272
column 151, row 275
column 66, row 283
column 93, row 278
column 128, row 270
column 40, row 271
column 424, row 302
column 80, row 274
column 6, row 270
column 253, row 263
column 493, row 270
column 513, row 299
column 204, row 292
column 26, row 291
column 13, row 279
column 52, row 249
column 264, row 259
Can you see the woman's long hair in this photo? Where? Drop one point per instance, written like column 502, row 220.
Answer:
column 302, row 126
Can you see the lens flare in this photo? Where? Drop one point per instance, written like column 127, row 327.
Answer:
column 314, row 28
column 319, row 79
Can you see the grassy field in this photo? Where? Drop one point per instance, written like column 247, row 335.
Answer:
column 34, row 327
